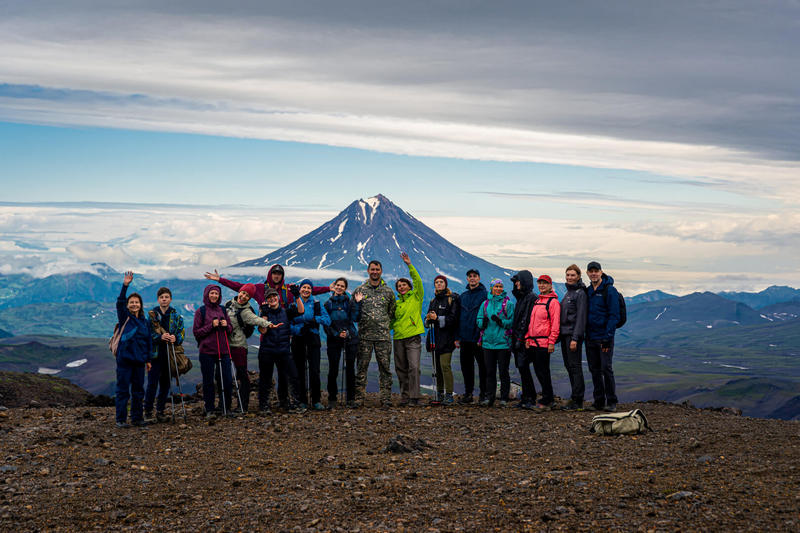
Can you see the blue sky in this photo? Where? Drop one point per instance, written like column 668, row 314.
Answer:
column 663, row 140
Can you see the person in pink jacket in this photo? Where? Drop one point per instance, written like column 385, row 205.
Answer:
column 540, row 341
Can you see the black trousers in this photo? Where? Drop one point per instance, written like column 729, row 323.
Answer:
column 605, row 388
column 335, row 347
column 306, row 354
column 572, row 362
column 267, row 361
column 540, row 358
column 244, row 386
column 493, row 361
column 470, row 354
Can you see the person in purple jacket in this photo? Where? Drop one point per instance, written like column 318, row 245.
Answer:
column 211, row 329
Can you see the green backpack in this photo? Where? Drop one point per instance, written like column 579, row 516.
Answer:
column 630, row 423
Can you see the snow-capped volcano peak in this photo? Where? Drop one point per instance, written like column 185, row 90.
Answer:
column 375, row 228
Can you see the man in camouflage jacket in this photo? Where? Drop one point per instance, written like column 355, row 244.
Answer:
column 374, row 332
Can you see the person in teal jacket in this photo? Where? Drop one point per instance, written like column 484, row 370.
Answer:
column 495, row 318
column 408, row 326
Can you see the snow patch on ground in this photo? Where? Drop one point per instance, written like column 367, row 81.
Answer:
column 661, row 313
column 76, row 364
column 341, row 230
column 321, row 261
column 47, row 371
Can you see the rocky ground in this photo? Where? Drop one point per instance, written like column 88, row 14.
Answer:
column 474, row 469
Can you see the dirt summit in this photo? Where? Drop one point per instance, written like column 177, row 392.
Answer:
column 454, row 468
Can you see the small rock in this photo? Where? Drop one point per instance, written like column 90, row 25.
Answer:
column 314, row 522
column 705, row 459
column 34, row 403
column 102, row 461
column 731, row 411
column 3, row 408
column 694, row 443
column 680, row 495
column 8, row 468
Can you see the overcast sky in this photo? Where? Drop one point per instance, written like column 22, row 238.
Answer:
column 661, row 137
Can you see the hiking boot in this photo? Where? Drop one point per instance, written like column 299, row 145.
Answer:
column 503, row 404
column 404, row 402
column 265, row 411
column 148, row 415
column 301, row 405
column 465, row 399
column 332, row 404
column 413, row 402
column 610, row 408
column 318, row 407
column 211, row 415
column 352, row 405
column 298, row 409
column 542, row 407
column 594, row 407
column 123, row 425
column 386, row 405
column 448, row 399
column 572, row 405
column 140, row 423
column 528, row 406
column 162, row 417
column 486, row 402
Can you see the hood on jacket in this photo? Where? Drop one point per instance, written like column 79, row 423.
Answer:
column 605, row 279
column 207, row 290
column 525, row 279
column 269, row 281
column 498, row 297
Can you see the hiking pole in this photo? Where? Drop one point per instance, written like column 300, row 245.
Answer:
column 342, row 391
column 169, row 373
column 178, row 379
column 235, row 378
column 432, row 331
column 221, row 378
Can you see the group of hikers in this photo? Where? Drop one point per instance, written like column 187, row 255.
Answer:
column 488, row 327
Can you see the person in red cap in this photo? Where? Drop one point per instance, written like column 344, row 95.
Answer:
column 540, row 342
column 244, row 321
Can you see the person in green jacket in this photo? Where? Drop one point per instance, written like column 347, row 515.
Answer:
column 495, row 318
column 408, row 326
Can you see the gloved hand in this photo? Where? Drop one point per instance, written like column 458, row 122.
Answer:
column 497, row 320
column 605, row 345
column 295, row 290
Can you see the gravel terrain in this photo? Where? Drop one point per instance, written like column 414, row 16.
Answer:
column 412, row 469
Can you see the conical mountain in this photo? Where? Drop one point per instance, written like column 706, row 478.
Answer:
column 375, row 228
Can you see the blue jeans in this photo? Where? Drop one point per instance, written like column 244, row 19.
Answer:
column 208, row 364
column 130, row 383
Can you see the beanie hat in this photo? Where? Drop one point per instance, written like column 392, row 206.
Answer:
column 494, row 282
column 441, row 278
column 306, row 282
column 249, row 288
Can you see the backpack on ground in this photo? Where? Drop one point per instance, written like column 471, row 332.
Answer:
column 247, row 329
column 630, row 423
column 113, row 342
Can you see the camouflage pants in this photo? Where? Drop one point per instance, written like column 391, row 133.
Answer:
column 383, row 354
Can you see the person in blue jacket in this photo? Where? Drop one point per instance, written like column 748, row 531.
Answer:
column 133, row 355
column 342, row 335
column 306, row 344
column 601, row 325
column 468, row 335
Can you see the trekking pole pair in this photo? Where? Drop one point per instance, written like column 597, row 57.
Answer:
column 221, row 375
column 171, row 353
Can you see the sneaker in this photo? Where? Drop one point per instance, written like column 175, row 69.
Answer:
column 485, row 402
column 572, row 405
column 123, row 425
column 211, row 415
column 265, row 411
column 526, row 405
column 162, row 417
column 386, row 405
column 413, row 402
column 298, row 409
column 448, row 399
column 594, row 407
column 318, row 407
column 140, row 423
column 465, row 399
column 541, row 407
column 503, row 404
column 148, row 415
column 610, row 408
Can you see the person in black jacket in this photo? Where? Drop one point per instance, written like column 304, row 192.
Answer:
column 342, row 334
column 573, row 327
column 469, row 334
column 443, row 313
column 275, row 350
column 523, row 292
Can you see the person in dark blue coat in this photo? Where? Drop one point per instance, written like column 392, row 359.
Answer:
column 275, row 351
column 601, row 325
column 133, row 355
column 342, row 334
column 468, row 336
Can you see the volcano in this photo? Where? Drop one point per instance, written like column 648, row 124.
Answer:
column 376, row 228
